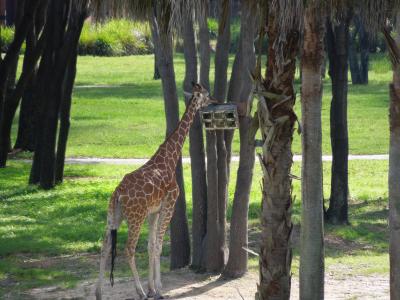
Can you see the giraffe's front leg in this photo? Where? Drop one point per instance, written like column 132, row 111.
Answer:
column 153, row 219
column 167, row 210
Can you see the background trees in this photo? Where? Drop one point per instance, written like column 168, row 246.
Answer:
column 51, row 30
column 57, row 67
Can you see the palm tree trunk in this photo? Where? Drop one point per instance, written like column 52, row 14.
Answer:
column 354, row 65
column 239, row 89
column 8, row 67
column 199, row 259
column 180, row 242
column 204, row 49
column 277, row 119
column 338, row 45
column 394, row 175
column 217, row 173
column 312, row 221
column 65, row 110
column 364, row 53
column 196, row 149
column 220, row 88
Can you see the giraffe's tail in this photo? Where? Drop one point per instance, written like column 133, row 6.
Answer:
column 113, row 253
column 114, row 220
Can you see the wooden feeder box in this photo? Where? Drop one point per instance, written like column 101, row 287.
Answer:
column 220, row 116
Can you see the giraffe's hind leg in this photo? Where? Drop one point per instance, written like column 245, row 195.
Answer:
column 105, row 252
column 166, row 212
column 134, row 226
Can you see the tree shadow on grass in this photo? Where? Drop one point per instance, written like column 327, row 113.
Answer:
column 148, row 91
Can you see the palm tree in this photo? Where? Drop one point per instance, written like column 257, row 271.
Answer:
column 394, row 165
column 277, row 120
column 338, row 49
column 217, row 172
column 312, row 236
column 239, row 89
column 196, row 148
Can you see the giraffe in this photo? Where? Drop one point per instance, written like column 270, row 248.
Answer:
column 150, row 191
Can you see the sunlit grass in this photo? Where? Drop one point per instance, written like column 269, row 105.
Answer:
column 125, row 117
column 70, row 220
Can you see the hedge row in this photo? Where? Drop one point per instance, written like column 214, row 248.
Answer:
column 113, row 38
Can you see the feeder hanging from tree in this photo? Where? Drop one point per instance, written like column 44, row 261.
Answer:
column 220, row 116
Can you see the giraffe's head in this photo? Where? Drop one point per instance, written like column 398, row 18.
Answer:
column 201, row 96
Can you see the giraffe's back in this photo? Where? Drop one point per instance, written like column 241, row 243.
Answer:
column 142, row 191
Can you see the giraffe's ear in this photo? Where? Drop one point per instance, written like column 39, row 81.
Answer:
column 187, row 94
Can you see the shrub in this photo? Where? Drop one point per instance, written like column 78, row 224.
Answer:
column 6, row 37
column 115, row 38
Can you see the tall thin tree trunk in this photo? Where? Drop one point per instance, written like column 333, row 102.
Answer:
column 353, row 55
column 364, row 53
column 204, row 49
column 196, row 149
column 394, row 170
column 216, row 154
column 359, row 63
column 180, row 242
column 8, row 67
column 338, row 47
column 11, row 8
column 200, row 210
column 312, row 218
column 239, row 89
column 65, row 110
column 33, row 52
column 277, row 120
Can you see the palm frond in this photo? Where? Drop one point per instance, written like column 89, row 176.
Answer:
column 287, row 19
column 170, row 11
column 375, row 13
column 394, row 51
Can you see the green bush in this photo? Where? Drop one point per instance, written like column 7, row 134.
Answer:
column 6, row 37
column 114, row 38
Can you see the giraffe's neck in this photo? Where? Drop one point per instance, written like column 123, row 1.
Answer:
column 174, row 142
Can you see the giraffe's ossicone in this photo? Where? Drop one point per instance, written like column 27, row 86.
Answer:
column 150, row 191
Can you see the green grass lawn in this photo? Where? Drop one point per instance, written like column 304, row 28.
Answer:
column 52, row 237
column 125, row 117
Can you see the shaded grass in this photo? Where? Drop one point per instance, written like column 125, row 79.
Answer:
column 70, row 220
column 128, row 120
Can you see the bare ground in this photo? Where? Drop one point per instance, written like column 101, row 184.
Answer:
column 340, row 280
column 184, row 284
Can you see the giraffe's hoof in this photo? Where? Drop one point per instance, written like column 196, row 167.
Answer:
column 158, row 296
column 154, row 296
column 151, row 295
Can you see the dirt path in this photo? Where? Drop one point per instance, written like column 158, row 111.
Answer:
column 184, row 284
